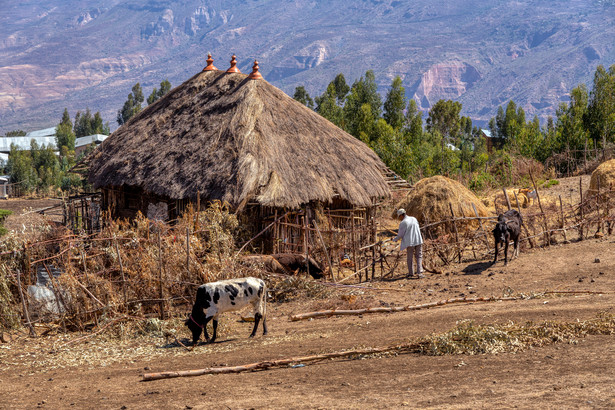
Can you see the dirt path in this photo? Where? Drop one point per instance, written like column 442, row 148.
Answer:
column 555, row 376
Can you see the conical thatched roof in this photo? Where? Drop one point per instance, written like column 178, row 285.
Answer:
column 238, row 140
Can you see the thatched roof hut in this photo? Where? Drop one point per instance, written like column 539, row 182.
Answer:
column 241, row 140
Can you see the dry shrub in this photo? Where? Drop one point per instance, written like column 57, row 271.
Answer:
column 431, row 201
column 124, row 264
column 471, row 338
column 285, row 289
column 522, row 167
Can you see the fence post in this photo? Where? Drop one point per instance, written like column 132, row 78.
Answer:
column 561, row 209
column 581, row 233
column 324, row 247
column 188, row 250
column 527, row 232
column 160, row 287
column 507, row 199
column 119, row 258
column 23, row 305
column 544, row 217
column 457, row 244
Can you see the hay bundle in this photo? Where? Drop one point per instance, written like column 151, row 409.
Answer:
column 606, row 174
column 525, row 197
column 431, row 200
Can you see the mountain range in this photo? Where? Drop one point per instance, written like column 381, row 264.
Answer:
column 78, row 54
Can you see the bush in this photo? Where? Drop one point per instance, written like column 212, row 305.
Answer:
column 481, row 181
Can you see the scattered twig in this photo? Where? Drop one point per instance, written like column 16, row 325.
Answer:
column 333, row 312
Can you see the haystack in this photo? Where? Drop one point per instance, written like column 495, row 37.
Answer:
column 431, row 201
column 606, row 174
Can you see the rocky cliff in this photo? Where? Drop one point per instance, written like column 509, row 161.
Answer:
column 70, row 54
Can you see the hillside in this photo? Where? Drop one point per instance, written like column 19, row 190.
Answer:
column 71, row 54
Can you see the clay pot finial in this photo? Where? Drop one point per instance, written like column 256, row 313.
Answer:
column 255, row 75
column 210, row 63
column 233, row 68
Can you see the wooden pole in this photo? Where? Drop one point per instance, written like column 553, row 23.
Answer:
column 188, row 250
column 305, row 241
column 278, row 363
column 353, row 243
column 457, row 244
column 160, row 287
column 507, row 199
column 481, row 226
column 23, row 305
column 544, row 218
column 561, row 210
column 119, row 258
column 581, row 233
column 324, row 247
column 527, row 233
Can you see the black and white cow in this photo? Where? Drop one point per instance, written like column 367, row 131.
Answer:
column 225, row 296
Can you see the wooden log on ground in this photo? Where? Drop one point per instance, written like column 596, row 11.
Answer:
column 279, row 363
column 333, row 312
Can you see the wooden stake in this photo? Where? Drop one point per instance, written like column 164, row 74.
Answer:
column 457, row 244
column 561, row 209
column 481, row 226
column 544, row 218
column 23, row 305
column 527, row 233
column 324, row 247
column 507, row 199
column 119, row 258
column 581, row 233
column 160, row 287
column 188, row 250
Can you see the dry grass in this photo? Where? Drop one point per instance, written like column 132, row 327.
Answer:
column 241, row 141
column 471, row 338
column 606, row 174
column 432, row 198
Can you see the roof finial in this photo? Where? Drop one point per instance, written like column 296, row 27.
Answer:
column 233, row 68
column 210, row 63
column 255, row 75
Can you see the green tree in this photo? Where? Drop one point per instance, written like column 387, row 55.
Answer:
column 444, row 118
column 15, row 133
column 413, row 123
column 363, row 91
column 341, row 89
column 165, row 87
column 303, row 97
column 394, row 104
column 326, row 105
column 65, row 137
column 600, row 117
column 391, row 147
column 132, row 106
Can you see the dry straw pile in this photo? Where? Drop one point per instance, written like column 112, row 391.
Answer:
column 606, row 174
column 432, row 198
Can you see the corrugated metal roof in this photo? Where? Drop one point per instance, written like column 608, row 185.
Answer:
column 486, row 132
column 47, row 132
column 88, row 139
column 24, row 142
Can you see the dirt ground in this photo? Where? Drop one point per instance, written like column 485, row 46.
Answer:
column 105, row 372
column 25, row 215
